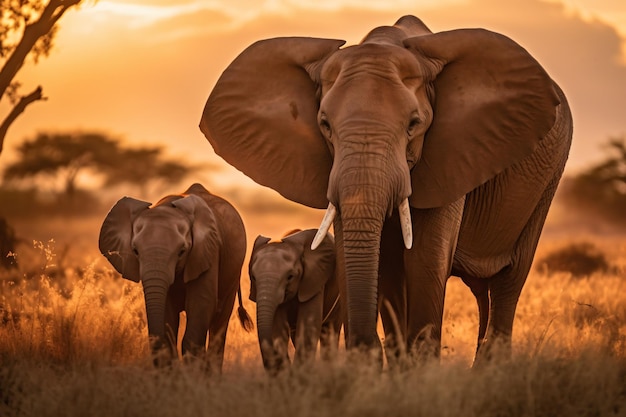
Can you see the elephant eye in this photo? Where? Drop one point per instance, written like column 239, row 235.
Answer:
column 413, row 123
column 325, row 126
column 290, row 277
column 182, row 251
column 135, row 251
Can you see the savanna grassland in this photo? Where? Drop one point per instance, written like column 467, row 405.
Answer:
column 73, row 342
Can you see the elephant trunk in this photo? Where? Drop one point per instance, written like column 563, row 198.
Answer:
column 266, row 313
column 155, row 289
column 368, row 181
column 155, row 296
column 362, row 226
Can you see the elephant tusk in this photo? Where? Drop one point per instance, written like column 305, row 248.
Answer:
column 331, row 211
column 405, row 222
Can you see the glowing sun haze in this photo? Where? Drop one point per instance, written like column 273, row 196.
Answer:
column 142, row 69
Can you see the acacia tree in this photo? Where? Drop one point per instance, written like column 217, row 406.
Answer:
column 27, row 28
column 66, row 156
column 142, row 167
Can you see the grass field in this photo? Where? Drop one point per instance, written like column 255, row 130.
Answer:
column 73, row 343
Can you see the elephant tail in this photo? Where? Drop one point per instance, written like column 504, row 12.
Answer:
column 244, row 317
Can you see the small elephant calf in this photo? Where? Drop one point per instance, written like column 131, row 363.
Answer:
column 297, row 297
column 187, row 250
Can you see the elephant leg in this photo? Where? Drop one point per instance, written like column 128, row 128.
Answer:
column 217, row 343
column 506, row 286
column 200, row 305
column 425, row 314
column 194, row 341
column 281, row 333
column 504, row 290
column 329, row 340
column 218, row 330
column 392, row 290
column 172, row 322
column 329, row 336
column 175, row 303
column 480, row 289
column 428, row 265
column 308, row 328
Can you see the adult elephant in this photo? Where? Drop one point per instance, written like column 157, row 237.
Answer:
column 187, row 250
column 454, row 140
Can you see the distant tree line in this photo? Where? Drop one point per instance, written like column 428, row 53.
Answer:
column 67, row 157
column 600, row 191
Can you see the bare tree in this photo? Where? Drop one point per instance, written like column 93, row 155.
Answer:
column 27, row 28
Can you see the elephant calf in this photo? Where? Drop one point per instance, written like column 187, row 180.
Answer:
column 187, row 250
column 297, row 297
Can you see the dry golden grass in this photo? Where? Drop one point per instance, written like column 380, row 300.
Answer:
column 73, row 342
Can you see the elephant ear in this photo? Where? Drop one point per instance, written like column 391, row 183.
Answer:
column 318, row 264
column 204, row 253
column 259, row 242
column 493, row 104
column 116, row 234
column 261, row 117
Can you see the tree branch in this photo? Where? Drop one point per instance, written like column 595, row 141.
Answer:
column 17, row 110
column 32, row 32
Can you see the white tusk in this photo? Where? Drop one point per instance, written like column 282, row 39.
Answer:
column 323, row 229
column 405, row 222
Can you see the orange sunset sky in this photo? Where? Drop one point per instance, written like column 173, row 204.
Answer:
column 143, row 69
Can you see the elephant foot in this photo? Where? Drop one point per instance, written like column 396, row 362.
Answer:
column 202, row 363
column 162, row 352
column 495, row 347
column 426, row 346
column 161, row 358
column 276, row 365
column 275, row 362
column 369, row 355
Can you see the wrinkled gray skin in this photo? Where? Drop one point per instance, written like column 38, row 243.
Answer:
column 297, row 297
column 465, row 124
column 187, row 250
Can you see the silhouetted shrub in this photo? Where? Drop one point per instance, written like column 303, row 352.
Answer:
column 580, row 259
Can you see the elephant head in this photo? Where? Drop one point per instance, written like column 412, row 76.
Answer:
column 286, row 270
column 406, row 117
column 177, row 237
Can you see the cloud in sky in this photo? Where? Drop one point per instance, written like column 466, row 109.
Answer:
column 143, row 69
